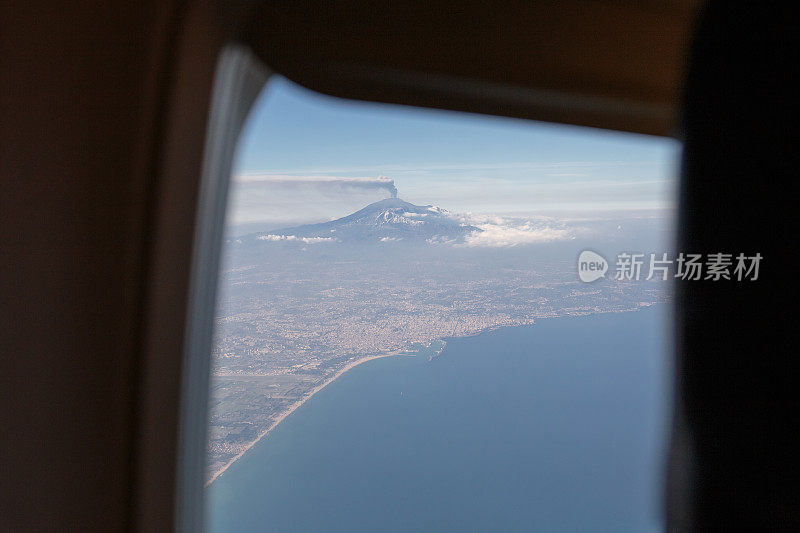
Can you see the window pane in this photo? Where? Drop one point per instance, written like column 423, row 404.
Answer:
column 435, row 321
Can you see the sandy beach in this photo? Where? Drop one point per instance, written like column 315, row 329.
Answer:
column 300, row 402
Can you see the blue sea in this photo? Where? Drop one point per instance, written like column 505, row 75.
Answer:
column 556, row 426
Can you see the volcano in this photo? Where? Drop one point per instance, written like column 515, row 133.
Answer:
column 389, row 220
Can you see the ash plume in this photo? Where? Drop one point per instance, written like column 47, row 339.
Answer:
column 322, row 183
column 389, row 184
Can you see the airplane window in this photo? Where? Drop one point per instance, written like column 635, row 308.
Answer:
column 439, row 321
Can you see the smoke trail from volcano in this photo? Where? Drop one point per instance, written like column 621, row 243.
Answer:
column 322, row 183
column 390, row 186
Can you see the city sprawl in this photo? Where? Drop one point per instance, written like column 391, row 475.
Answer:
column 291, row 319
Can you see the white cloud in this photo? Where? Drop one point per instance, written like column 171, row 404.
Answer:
column 497, row 231
column 294, row 238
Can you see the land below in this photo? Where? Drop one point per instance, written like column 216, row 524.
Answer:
column 287, row 329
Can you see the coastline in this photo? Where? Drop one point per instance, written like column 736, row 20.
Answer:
column 327, row 461
column 301, row 401
column 401, row 352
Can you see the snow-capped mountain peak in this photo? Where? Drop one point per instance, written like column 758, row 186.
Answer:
column 389, row 220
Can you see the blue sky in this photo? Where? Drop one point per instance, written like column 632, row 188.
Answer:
column 295, row 141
